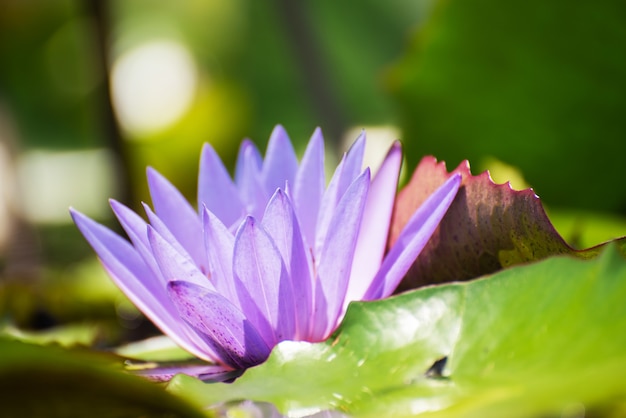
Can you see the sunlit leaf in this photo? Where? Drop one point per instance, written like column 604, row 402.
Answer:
column 545, row 339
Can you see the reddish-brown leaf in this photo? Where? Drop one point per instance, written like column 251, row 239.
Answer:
column 488, row 227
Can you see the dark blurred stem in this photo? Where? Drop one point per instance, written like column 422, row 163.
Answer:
column 311, row 62
column 99, row 12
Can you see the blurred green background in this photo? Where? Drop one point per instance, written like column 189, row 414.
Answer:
column 93, row 91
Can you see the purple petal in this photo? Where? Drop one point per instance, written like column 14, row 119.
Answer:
column 372, row 240
column 206, row 372
column 248, row 155
column 282, row 225
column 348, row 169
column 309, row 186
column 248, row 178
column 145, row 290
column 412, row 239
column 327, row 208
column 174, row 265
column 265, row 291
column 177, row 214
column 222, row 325
column 219, row 243
column 163, row 230
column 353, row 165
column 216, row 190
column 137, row 230
column 280, row 163
column 336, row 258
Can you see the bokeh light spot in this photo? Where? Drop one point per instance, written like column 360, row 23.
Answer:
column 153, row 85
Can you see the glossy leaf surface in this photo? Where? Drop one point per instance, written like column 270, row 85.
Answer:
column 535, row 340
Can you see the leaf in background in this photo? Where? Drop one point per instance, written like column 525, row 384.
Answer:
column 583, row 229
column 159, row 348
column 538, row 85
column 65, row 336
column 488, row 227
column 545, row 339
column 51, row 382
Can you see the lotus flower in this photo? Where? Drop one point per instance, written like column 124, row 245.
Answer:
column 273, row 256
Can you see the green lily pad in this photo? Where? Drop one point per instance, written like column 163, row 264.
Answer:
column 544, row 339
column 38, row 381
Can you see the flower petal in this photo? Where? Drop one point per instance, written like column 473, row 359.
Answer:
column 372, row 240
column 353, row 165
column 412, row 240
column 209, row 373
column 248, row 155
column 167, row 235
column 219, row 244
column 282, row 225
column 216, row 189
column 308, row 188
column 174, row 265
column 346, row 172
column 222, row 325
column 336, row 258
column 248, row 179
column 132, row 276
column 177, row 214
column 280, row 164
column 265, row 291
column 137, row 230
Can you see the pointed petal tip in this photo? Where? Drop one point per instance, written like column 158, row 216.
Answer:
column 154, row 178
column 360, row 139
column 278, row 128
column 151, row 232
column 81, row 220
column 76, row 216
column 151, row 171
column 207, row 147
column 317, row 135
column 279, row 134
column 206, row 153
column 247, row 223
column 367, row 173
column 394, row 153
column 396, row 146
column 455, row 180
column 279, row 193
column 116, row 205
column 317, row 139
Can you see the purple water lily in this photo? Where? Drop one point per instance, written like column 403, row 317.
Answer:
column 273, row 256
